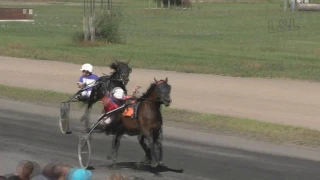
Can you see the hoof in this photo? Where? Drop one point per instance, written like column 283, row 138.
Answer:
column 161, row 163
column 154, row 164
column 145, row 160
column 144, row 163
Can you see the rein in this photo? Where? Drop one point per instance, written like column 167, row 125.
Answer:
column 117, row 79
column 145, row 99
column 113, row 79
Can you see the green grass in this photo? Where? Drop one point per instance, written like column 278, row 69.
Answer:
column 40, row 1
column 248, row 128
column 216, row 38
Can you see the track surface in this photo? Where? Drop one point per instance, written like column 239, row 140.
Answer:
column 31, row 132
column 273, row 100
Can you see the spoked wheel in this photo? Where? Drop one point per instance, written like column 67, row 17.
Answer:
column 84, row 151
column 64, row 117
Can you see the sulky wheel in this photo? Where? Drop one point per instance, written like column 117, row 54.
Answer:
column 84, row 151
column 64, row 118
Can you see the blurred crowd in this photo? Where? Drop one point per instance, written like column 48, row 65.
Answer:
column 29, row 170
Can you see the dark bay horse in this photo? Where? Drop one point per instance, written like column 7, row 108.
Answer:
column 118, row 78
column 147, row 122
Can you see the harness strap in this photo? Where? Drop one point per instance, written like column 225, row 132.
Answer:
column 135, row 110
column 107, row 85
column 135, row 114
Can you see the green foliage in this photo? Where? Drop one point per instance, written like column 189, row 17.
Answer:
column 78, row 37
column 108, row 26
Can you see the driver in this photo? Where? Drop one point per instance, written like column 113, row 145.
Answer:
column 87, row 79
column 116, row 99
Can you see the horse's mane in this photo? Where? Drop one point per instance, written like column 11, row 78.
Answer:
column 148, row 92
column 114, row 67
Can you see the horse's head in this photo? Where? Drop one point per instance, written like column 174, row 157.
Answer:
column 122, row 71
column 163, row 90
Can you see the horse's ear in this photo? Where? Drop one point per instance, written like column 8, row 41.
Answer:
column 155, row 79
column 128, row 61
column 166, row 79
column 113, row 66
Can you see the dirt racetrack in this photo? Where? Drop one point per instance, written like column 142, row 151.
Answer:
column 30, row 131
column 274, row 100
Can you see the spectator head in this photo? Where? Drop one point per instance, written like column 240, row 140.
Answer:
column 24, row 170
column 3, row 178
column 48, row 171
column 14, row 177
column 78, row 174
column 36, row 169
column 133, row 178
column 65, row 170
column 116, row 177
column 120, row 177
column 57, row 171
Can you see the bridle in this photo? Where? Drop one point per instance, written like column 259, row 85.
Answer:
column 120, row 78
column 156, row 100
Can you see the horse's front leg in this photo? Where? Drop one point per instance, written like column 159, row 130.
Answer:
column 159, row 147
column 154, row 159
column 152, row 145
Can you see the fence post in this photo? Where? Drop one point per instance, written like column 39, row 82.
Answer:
column 293, row 4
column 93, row 35
column 285, row 6
column 85, row 20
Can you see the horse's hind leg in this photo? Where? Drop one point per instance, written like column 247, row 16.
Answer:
column 87, row 112
column 109, row 156
column 144, row 146
column 86, row 118
column 115, row 149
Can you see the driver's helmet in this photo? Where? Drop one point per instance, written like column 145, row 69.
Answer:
column 87, row 67
column 118, row 93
